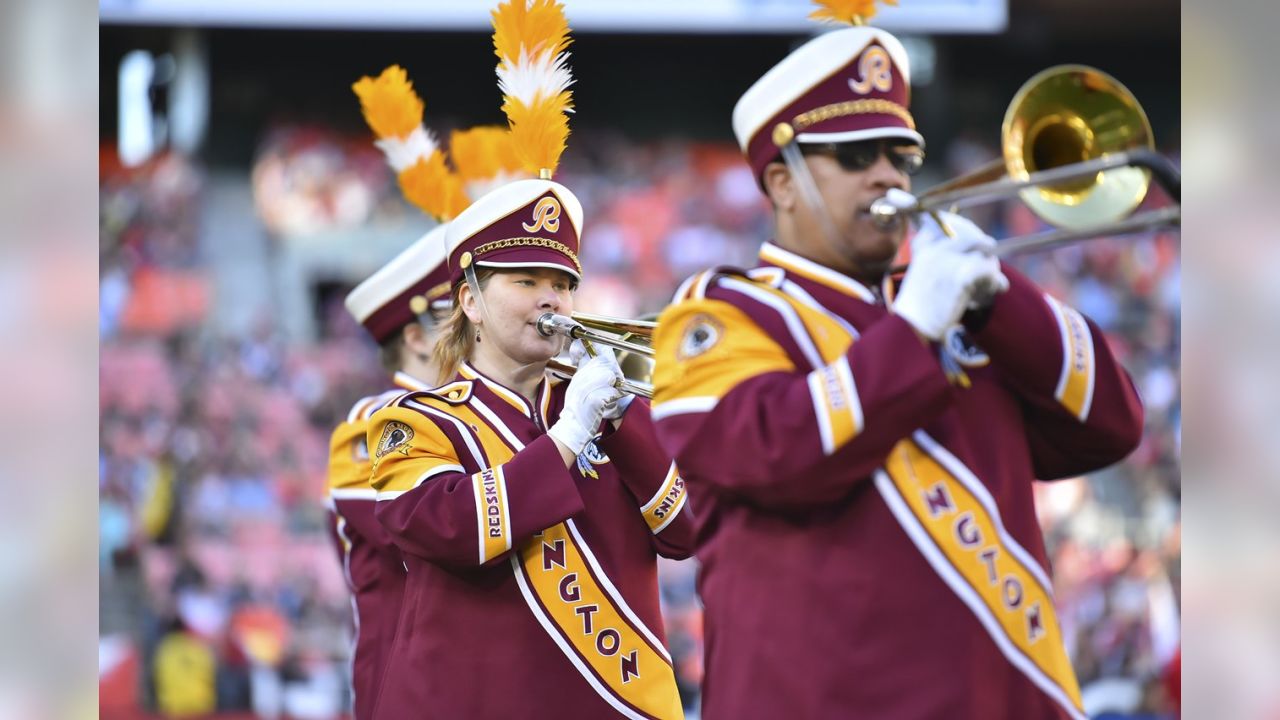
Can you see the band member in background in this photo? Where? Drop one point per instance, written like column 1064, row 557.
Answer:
column 530, row 510
column 401, row 306
column 860, row 450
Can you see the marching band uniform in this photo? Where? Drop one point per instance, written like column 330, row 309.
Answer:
column 867, row 532
column 532, row 588
column 372, row 565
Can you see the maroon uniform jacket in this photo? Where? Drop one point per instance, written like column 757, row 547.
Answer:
column 866, row 526
column 371, row 563
column 532, row 589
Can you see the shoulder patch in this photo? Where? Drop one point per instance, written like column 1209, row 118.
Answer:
column 701, row 333
column 395, row 438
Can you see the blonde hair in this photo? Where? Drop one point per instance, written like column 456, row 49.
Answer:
column 457, row 334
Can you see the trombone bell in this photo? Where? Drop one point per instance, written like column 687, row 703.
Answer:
column 1072, row 114
column 1077, row 148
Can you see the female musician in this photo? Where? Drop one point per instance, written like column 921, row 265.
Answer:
column 530, row 542
column 530, row 530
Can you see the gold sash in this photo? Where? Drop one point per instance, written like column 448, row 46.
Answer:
column 570, row 595
column 961, row 535
column 586, row 616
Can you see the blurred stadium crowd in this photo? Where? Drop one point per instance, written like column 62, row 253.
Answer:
column 219, row 591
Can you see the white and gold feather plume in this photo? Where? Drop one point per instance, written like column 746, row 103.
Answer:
column 485, row 157
column 394, row 112
column 530, row 38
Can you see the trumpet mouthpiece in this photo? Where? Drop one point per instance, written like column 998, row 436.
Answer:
column 552, row 324
column 884, row 214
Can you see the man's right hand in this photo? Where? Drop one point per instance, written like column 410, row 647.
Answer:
column 946, row 273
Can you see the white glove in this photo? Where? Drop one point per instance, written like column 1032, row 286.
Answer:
column 590, row 390
column 577, row 353
column 947, row 274
column 987, row 286
column 612, row 410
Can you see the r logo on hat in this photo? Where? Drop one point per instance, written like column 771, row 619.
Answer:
column 545, row 214
column 805, row 98
column 876, row 71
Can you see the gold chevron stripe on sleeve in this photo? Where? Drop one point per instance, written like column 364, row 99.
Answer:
column 1075, row 383
column 666, row 503
column 493, row 517
column 836, row 404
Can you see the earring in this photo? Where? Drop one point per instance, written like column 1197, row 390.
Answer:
column 477, row 336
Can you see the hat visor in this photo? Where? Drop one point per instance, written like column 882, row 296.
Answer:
column 516, row 265
column 858, row 135
column 530, row 257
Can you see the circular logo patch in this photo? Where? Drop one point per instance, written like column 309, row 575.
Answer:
column 962, row 347
column 701, row 333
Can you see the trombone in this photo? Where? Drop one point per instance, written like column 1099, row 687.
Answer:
column 1077, row 149
column 614, row 332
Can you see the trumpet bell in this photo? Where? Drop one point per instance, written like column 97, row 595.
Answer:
column 1070, row 114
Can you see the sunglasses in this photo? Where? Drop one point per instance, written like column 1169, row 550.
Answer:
column 858, row 156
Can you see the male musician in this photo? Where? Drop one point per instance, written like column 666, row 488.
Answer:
column 860, row 451
column 400, row 306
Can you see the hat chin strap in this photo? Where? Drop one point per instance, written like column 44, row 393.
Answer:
column 469, row 272
column 809, row 189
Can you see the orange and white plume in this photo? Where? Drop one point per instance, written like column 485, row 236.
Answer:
column 530, row 38
column 394, row 112
column 485, row 157
column 849, row 12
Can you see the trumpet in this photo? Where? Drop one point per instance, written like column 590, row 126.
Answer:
column 604, row 330
column 1077, row 149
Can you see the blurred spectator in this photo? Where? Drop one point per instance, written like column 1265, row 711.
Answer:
column 184, row 675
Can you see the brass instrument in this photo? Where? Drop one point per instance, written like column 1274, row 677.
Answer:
column 635, row 358
column 1078, row 150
